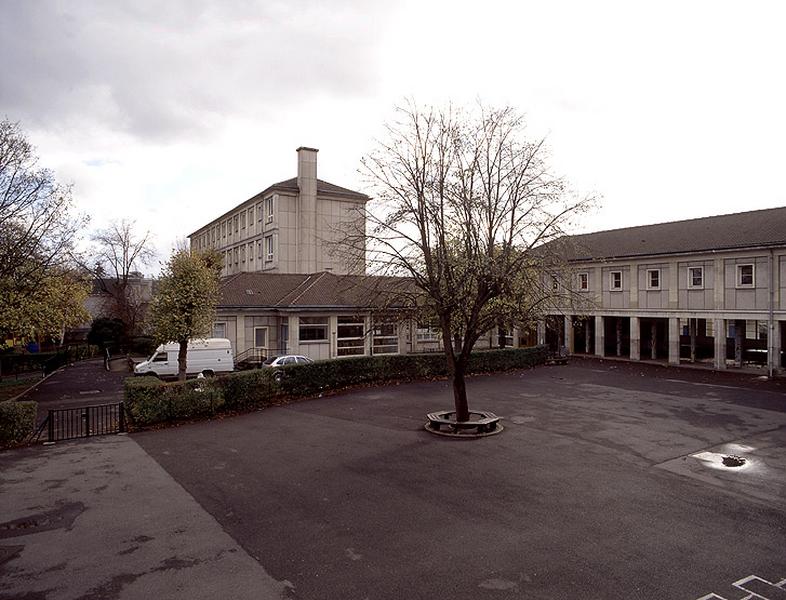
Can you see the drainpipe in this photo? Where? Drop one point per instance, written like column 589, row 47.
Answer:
column 771, row 320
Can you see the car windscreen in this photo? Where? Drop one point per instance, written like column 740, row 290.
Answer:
column 270, row 360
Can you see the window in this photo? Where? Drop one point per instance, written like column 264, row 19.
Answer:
column 269, row 245
column 696, row 278
column 161, row 357
column 260, row 212
column 709, row 331
column 224, row 230
column 615, row 280
column 237, row 220
column 251, row 252
column 260, row 337
column 554, row 283
column 385, row 338
column 243, row 220
column 219, row 329
column 237, row 255
column 269, row 209
column 653, row 279
column 243, row 253
column 260, row 249
column 250, row 218
column 428, row 332
column 583, row 281
column 313, row 329
column 745, row 276
column 350, row 338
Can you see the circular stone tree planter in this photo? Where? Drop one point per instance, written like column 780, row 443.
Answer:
column 481, row 423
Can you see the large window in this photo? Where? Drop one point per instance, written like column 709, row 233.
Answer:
column 696, row 278
column 385, row 338
column 746, row 276
column 583, row 281
column 269, row 246
column 219, row 329
column 615, row 281
column 350, row 338
column 428, row 332
column 313, row 329
column 653, row 279
column 269, row 209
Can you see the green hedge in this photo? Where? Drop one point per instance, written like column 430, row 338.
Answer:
column 17, row 421
column 149, row 400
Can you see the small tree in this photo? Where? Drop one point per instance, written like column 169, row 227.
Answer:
column 464, row 206
column 185, row 303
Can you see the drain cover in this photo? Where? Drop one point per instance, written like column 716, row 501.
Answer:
column 732, row 460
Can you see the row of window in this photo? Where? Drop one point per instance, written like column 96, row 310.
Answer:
column 240, row 222
column 746, row 278
column 245, row 252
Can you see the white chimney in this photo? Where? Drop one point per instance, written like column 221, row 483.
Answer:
column 307, row 203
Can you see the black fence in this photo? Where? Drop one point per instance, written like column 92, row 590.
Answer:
column 82, row 422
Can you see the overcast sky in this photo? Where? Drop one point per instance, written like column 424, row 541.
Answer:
column 172, row 112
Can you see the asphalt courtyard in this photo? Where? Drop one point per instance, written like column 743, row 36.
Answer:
column 607, row 482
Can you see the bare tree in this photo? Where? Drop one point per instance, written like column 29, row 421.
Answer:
column 466, row 207
column 37, row 224
column 119, row 254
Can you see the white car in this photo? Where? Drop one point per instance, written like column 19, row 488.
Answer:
column 277, row 362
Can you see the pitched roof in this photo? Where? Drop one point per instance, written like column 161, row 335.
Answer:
column 723, row 232
column 314, row 290
column 323, row 187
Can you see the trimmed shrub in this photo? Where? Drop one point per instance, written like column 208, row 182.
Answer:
column 17, row 421
column 149, row 400
column 248, row 389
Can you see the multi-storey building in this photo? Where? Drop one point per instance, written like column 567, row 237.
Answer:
column 709, row 290
column 290, row 227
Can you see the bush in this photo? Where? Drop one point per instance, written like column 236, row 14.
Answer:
column 149, row 400
column 17, row 421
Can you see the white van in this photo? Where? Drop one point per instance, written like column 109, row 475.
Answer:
column 208, row 356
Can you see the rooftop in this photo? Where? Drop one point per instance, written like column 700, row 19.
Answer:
column 723, row 232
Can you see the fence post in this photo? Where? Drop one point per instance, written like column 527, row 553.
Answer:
column 122, row 409
column 51, row 428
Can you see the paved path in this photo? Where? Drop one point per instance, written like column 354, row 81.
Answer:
column 84, row 383
column 604, row 484
column 101, row 519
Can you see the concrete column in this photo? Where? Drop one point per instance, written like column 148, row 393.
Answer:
column 569, row 340
column 541, row 332
column 692, row 326
column 618, row 334
column 587, row 336
column 738, row 339
column 776, row 348
column 600, row 341
column 653, row 340
column 674, row 341
column 240, row 334
column 367, row 335
column 307, row 209
column 635, row 338
column 719, row 331
column 293, row 343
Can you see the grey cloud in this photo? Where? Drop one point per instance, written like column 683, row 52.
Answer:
column 168, row 70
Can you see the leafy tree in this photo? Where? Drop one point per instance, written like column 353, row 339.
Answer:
column 465, row 206
column 56, row 304
column 185, row 303
column 39, row 291
column 105, row 331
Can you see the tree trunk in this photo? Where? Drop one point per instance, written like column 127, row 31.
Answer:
column 182, row 354
column 460, row 392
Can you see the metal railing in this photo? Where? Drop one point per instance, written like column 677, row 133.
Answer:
column 85, row 421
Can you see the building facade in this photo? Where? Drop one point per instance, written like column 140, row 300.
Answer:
column 294, row 226
column 709, row 291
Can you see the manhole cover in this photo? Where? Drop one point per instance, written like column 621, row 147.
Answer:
column 732, row 460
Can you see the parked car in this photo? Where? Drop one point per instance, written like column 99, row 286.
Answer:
column 208, row 357
column 277, row 362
